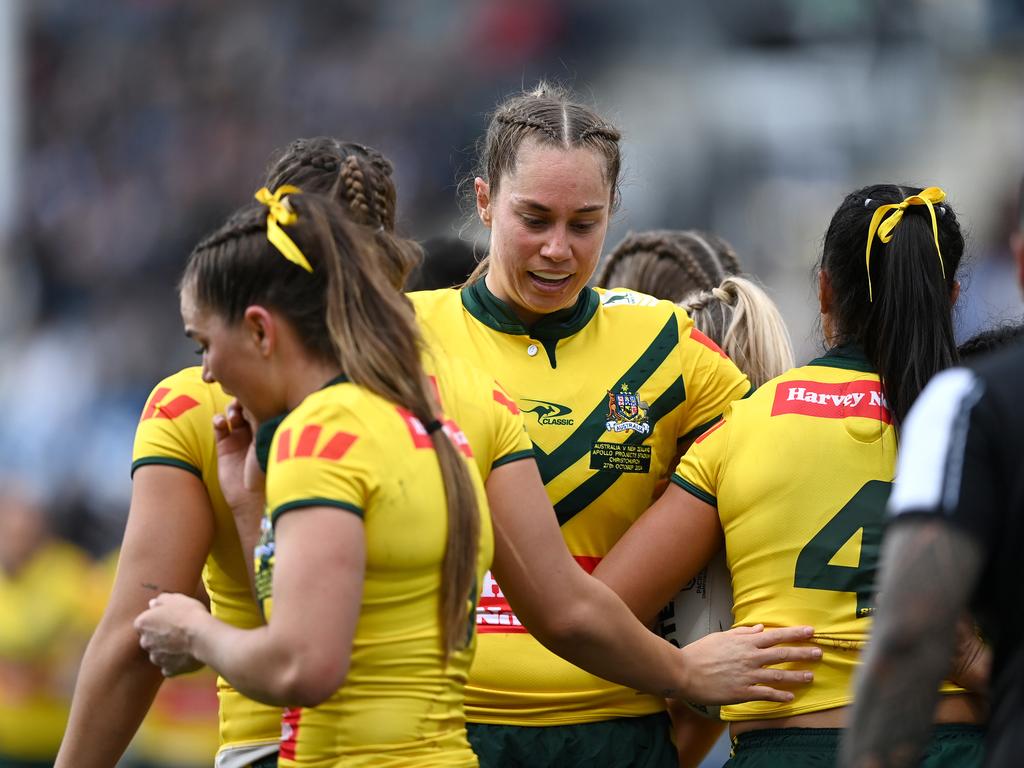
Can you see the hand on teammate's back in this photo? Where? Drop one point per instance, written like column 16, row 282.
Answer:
column 735, row 666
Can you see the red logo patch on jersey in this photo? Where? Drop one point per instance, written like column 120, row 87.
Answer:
column 493, row 613
column 156, row 408
column 499, row 397
column 333, row 450
column 421, row 438
column 290, row 718
column 700, row 338
column 831, row 401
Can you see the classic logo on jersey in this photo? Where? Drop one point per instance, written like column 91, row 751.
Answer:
column 549, row 413
column 832, row 401
column 305, row 447
column 622, row 297
column 156, row 408
column 627, row 412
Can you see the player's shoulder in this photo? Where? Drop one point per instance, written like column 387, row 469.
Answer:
column 434, row 301
column 622, row 311
column 185, row 393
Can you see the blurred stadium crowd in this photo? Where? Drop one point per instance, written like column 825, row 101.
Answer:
column 143, row 122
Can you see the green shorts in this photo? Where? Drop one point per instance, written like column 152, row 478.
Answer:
column 952, row 746
column 625, row 742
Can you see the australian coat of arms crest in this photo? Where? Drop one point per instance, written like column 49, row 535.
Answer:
column 626, row 412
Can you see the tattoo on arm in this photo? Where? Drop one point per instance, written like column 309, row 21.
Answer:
column 928, row 573
column 151, row 587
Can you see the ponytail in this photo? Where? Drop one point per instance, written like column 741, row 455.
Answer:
column 373, row 328
column 740, row 317
column 349, row 310
column 891, row 281
column 909, row 335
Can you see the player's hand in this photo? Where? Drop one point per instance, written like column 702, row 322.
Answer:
column 164, row 632
column 241, row 480
column 737, row 665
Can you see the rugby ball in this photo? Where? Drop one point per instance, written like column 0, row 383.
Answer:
column 703, row 606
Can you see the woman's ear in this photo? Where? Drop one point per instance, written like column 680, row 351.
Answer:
column 483, row 200
column 954, row 294
column 261, row 329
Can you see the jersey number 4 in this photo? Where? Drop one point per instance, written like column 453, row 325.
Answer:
column 861, row 514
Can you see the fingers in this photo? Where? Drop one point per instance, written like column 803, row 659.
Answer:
column 783, row 676
column 780, row 654
column 765, row 693
column 770, row 637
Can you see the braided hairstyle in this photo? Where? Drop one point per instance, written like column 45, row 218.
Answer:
column 669, row 263
column 346, row 311
column 741, row 318
column 359, row 178
column 906, row 331
column 550, row 116
column 699, row 271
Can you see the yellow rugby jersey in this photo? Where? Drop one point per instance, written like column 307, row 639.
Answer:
column 607, row 388
column 800, row 473
column 176, row 429
column 345, row 447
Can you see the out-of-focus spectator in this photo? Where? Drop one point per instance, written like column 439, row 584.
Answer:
column 447, row 262
column 44, row 605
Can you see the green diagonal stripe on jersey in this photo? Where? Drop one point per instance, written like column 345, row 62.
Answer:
column 578, row 444
column 587, row 492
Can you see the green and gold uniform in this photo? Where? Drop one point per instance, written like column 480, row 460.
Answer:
column 800, row 473
column 176, row 429
column 344, row 447
column 607, row 388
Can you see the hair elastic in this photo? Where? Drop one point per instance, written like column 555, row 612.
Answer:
column 893, row 215
column 280, row 214
column 432, row 426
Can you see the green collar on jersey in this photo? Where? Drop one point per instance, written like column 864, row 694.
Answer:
column 848, row 356
column 266, row 430
column 549, row 330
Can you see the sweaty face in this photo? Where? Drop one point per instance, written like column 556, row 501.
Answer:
column 548, row 222
column 231, row 357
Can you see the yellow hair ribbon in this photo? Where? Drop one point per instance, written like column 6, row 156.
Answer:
column 930, row 197
column 280, row 214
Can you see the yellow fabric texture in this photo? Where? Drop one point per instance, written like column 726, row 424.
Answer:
column 176, row 429
column 800, row 472
column 44, row 630
column 345, row 447
column 580, row 415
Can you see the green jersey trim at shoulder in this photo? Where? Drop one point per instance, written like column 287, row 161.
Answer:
column 315, row 502
column 693, row 490
column 508, row 458
column 166, row 461
column 697, row 431
column 847, row 356
column 498, row 315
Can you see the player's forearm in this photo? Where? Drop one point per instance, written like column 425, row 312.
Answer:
column 596, row 631
column 115, row 687
column 265, row 664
